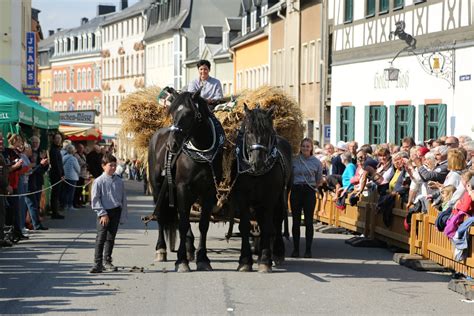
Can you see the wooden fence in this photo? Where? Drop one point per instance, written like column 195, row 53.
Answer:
column 423, row 239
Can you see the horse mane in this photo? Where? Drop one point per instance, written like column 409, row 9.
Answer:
column 186, row 98
column 259, row 122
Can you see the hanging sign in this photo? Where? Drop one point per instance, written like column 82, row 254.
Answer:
column 30, row 59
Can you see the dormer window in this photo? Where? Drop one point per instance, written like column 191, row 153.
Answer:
column 201, row 45
column 264, row 18
column 253, row 20
column 244, row 25
column 225, row 40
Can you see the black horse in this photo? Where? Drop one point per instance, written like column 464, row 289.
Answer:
column 262, row 174
column 185, row 164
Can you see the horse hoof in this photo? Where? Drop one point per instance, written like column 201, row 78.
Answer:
column 244, row 267
column 264, row 268
column 278, row 260
column 182, row 267
column 203, row 266
column 160, row 255
column 190, row 256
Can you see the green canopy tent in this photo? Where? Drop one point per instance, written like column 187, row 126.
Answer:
column 23, row 111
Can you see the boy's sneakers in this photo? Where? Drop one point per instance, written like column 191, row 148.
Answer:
column 110, row 267
column 97, row 269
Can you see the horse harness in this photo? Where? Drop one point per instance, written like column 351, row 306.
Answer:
column 197, row 155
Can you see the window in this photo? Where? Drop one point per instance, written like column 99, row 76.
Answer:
column 253, row 20
column 122, row 66
column 244, row 25
column 375, row 124
column 432, row 121
column 84, row 80
column 264, row 18
column 304, row 63
column 370, row 8
column 402, row 123
column 71, row 79
column 89, row 79
column 79, row 80
column 348, row 10
column 312, row 61
column 383, row 6
column 292, row 62
column 419, row 1
column 64, row 81
column 398, row 4
column 345, row 123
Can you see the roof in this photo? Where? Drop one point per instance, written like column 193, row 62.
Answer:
column 234, row 23
column 130, row 11
column 247, row 36
column 280, row 5
column 172, row 23
column 212, row 31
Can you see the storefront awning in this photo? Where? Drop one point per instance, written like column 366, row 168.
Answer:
column 77, row 133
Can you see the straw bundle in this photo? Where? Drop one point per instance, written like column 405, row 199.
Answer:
column 142, row 116
column 287, row 118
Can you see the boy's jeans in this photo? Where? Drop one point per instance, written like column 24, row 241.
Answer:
column 104, row 243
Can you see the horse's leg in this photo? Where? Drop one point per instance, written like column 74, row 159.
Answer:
column 266, row 222
column 278, row 244
column 245, row 260
column 184, row 206
column 190, row 249
column 203, row 262
column 160, row 248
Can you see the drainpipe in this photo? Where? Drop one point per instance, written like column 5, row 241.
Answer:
column 322, row 72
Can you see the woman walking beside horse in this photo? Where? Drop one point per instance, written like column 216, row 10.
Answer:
column 307, row 172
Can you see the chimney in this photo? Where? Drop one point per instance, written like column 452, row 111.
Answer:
column 50, row 32
column 84, row 21
column 103, row 9
column 123, row 5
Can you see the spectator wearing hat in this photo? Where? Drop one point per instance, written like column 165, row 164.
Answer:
column 337, row 166
column 441, row 170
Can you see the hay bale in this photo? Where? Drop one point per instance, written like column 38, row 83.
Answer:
column 141, row 116
column 287, row 121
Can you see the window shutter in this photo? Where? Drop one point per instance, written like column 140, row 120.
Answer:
column 383, row 118
column 442, row 120
column 411, row 121
column 421, row 122
column 338, row 123
column 367, row 124
column 351, row 133
column 392, row 112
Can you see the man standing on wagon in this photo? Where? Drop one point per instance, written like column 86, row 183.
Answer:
column 211, row 87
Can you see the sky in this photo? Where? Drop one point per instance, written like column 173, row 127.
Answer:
column 68, row 13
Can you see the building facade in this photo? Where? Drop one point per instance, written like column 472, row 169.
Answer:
column 251, row 48
column 15, row 21
column 296, row 58
column 76, row 67
column 123, row 64
column 401, row 68
column 173, row 38
column 45, row 78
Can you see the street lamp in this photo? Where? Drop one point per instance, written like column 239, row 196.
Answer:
column 391, row 73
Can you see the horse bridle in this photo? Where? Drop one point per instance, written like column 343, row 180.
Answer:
column 197, row 117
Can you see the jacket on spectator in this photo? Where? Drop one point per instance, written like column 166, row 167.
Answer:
column 36, row 180
column 71, row 167
column 337, row 166
column 438, row 174
column 94, row 164
column 56, row 160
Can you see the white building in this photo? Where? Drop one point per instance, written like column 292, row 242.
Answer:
column 433, row 93
column 123, row 64
column 173, row 36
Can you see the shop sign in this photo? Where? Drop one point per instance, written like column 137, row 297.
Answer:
column 30, row 59
column 31, row 92
column 87, row 117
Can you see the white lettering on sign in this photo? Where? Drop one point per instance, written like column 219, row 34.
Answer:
column 4, row 116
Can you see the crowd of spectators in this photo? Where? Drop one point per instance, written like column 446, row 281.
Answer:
column 437, row 172
column 68, row 167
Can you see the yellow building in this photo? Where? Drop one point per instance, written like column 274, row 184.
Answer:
column 250, row 49
column 15, row 21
